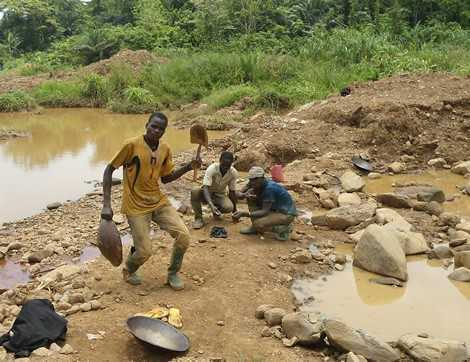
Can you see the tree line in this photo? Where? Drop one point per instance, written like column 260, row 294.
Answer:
column 96, row 29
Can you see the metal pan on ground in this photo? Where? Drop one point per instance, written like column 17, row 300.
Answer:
column 157, row 333
column 362, row 164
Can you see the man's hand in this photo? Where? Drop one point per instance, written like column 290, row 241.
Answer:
column 237, row 215
column 216, row 211
column 196, row 163
column 107, row 213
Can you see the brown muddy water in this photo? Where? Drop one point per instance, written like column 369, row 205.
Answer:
column 65, row 154
column 429, row 302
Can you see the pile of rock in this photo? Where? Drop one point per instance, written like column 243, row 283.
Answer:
column 312, row 329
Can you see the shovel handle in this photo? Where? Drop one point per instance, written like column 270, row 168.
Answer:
column 198, row 153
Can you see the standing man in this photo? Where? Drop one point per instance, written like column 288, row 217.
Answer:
column 271, row 207
column 146, row 161
column 217, row 178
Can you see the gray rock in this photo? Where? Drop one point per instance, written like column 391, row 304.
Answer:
column 465, row 247
column 351, row 182
column 55, row 347
column 259, row 313
column 412, row 243
column 462, row 168
column 388, row 216
column 387, row 281
column 85, row 307
column 38, row 256
column 437, row 162
column 76, row 298
column 457, row 242
column 464, row 226
column 67, row 349
column 449, row 219
column 351, row 357
column 16, row 245
column 53, row 205
column 433, row 350
column 319, row 220
column 41, row 352
column 461, row 274
column 274, row 316
column 396, row 167
column 301, row 257
column 374, row 176
column 343, row 217
column 462, row 258
column 346, row 199
column 379, row 251
column 440, row 252
column 432, row 194
column 434, row 208
column 345, row 338
column 307, row 327
column 394, row 200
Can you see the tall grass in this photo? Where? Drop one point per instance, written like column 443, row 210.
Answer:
column 16, row 101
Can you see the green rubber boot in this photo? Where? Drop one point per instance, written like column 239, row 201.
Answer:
column 129, row 272
column 175, row 265
column 282, row 232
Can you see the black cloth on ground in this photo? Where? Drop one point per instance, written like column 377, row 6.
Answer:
column 37, row 325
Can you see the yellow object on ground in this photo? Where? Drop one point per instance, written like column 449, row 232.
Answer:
column 175, row 318
column 156, row 313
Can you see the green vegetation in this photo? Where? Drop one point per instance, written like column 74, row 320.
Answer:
column 15, row 101
column 277, row 52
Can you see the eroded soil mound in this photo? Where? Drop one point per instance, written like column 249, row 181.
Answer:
column 416, row 116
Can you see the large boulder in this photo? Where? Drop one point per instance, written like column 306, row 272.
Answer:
column 462, row 168
column 433, row 350
column 347, row 199
column 348, row 339
column 461, row 274
column 412, row 243
column 351, row 182
column 462, row 258
column 380, row 251
column 394, row 200
column 388, row 216
column 440, row 252
column 307, row 327
column 343, row 217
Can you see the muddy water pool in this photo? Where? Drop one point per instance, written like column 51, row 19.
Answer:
column 66, row 152
column 429, row 302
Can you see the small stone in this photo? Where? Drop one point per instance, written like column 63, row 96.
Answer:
column 272, row 265
column 290, row 342
column 67, row 349
column 461, row 274
column 220, row 323
column 96, row 305
column 396, row 167
column 339, row 267
column 54, row 347
column 437, row 162
column 374, row 176
column 85, row 307
column 14, row 246
column 266, row 332
column 53, row 205
column 274, row 316
column 302, row 257
column 76, row 298
column 41, row 352
column 63, row 306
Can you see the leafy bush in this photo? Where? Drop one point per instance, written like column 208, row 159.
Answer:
column 94, row 89
column 135, row 100
column 16, row 101
column 227, row 96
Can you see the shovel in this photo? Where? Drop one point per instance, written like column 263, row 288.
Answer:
column 198, row 136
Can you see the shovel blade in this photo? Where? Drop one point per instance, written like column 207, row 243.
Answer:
column 198, row 135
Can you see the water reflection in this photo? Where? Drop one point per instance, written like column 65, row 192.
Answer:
column 66, row 148
column 429, row 302
column 11, row 274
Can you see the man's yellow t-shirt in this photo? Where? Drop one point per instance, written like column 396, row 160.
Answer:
column 142, row 172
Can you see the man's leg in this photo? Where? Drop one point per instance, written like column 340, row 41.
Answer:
column 197, row 199
column 142, row 248
column 223, row 203
column 170, row 221
column 280, row 224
